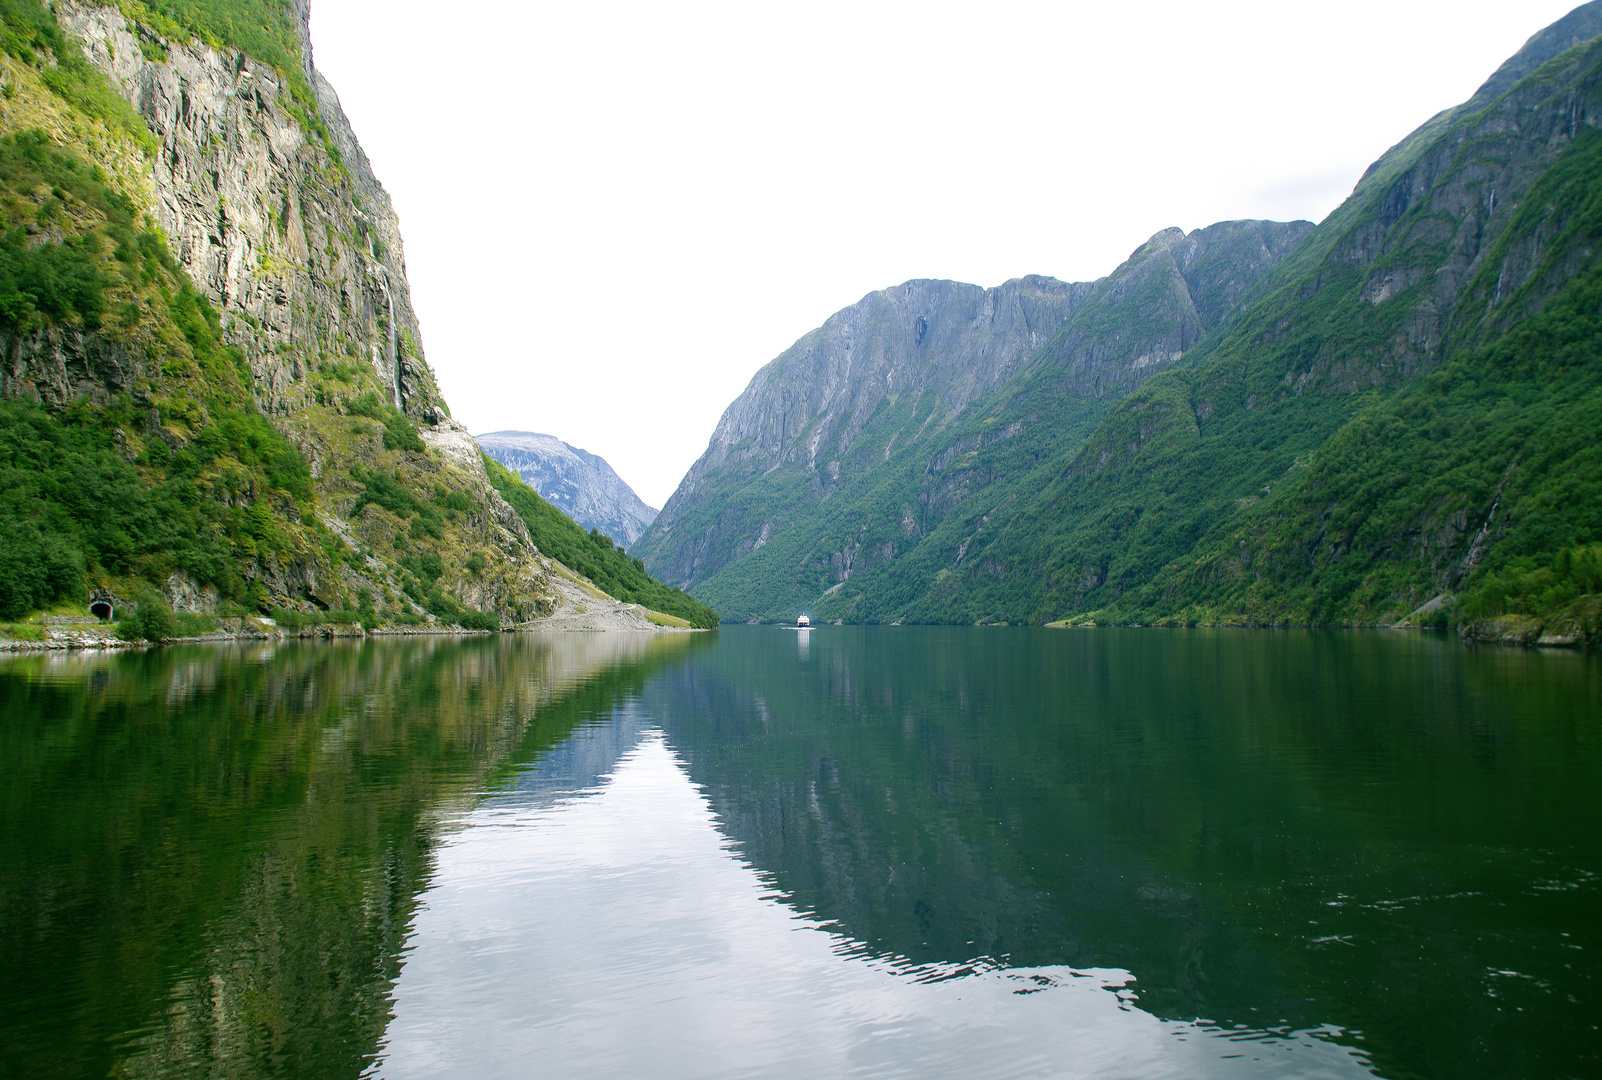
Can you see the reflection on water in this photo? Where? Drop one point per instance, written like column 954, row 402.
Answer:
column 884, row 851
column 1360, row 829
column 209, row 855
column 613, row 932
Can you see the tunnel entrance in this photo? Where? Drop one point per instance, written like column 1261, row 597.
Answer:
column 101, row 609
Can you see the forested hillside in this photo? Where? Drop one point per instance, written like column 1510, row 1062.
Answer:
column 1483, row 476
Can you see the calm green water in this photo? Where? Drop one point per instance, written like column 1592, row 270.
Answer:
column 864, row 852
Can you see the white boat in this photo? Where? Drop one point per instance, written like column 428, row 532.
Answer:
column 803, row 622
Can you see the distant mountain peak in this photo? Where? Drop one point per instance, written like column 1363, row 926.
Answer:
column 578, row 483
column 920, row 397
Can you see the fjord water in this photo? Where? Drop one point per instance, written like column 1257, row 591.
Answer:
column 872, row 852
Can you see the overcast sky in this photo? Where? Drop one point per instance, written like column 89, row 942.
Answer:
column 615, row 213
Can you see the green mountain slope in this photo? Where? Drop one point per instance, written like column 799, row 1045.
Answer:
column 1484, row 476
column 1409, row 410
column 1390, row 420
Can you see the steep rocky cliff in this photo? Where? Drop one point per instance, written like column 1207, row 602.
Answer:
column 578, row 483
column 258, row 274
column 921, row 402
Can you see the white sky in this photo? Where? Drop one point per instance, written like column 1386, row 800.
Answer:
column 615, row 213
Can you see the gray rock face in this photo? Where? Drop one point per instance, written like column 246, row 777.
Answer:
column 303, row 258
column 1173, row 290
column 942, row 339
column 282, row 224
column 301, row 254
column 576, row 482
column 939, row 344
column 1427, row 217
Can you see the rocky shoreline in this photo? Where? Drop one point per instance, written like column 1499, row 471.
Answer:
column 105, row 637
column 1518, row 631
column 86, row 640
column 83, row 636
column 1515, row 631
column 578, row 607
column 1530, row 633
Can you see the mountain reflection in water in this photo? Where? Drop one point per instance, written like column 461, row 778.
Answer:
column 858, row 851
column 614, row 932
column 209, row 856
column 1355, row 849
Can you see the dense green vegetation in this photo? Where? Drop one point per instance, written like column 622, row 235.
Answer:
column 421, row 580
column 151, row 618
column 422, row 569
column 1502, row 437
column 42, row 188
column 801, row 569
column 190, row 477
column 71, row 505
column 1485, row 466
column 295, row 621
column 593, row 554
column 399, row 432
column 264, row 29
column 1528, row 584
column 427, row 516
